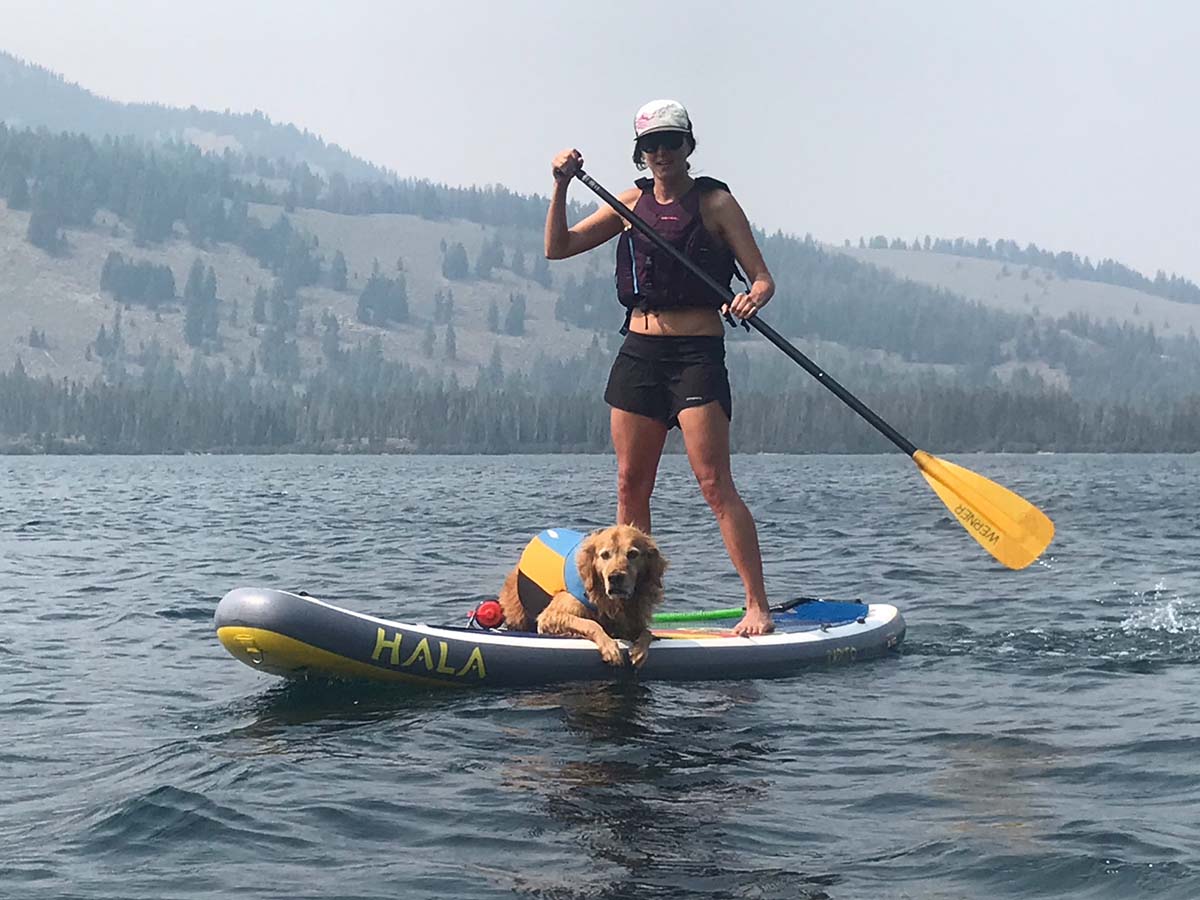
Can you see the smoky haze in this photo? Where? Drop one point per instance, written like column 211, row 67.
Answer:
column 1071, row 125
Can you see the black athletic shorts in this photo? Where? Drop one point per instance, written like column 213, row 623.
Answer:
column 657, row 376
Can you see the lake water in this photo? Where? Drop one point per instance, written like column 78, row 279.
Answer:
column 1038, row 736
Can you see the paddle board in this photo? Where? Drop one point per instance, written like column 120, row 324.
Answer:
column 296, row 635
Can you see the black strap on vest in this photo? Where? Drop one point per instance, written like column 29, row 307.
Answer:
column 624, row 329
column 704, row 183
column 729, row 317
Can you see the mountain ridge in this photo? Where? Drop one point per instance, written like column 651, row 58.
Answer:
column 33, row 96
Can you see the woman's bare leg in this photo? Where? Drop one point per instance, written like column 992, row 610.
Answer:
column 706, row 437
column 638, row 442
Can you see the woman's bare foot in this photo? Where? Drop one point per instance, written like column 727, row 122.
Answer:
column 756, row 621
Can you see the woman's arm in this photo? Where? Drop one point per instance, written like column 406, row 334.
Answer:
column 724, row 216
column 602, row 225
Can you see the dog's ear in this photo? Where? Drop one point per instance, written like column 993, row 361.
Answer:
column 586, row 559
column 656, row 563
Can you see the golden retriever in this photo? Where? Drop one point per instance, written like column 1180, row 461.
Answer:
column 621, row 569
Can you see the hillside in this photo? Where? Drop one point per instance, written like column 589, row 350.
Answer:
column 60, row 295
column 31, row 96
column 79, row 204
column 544, row 394
column 1031, row 290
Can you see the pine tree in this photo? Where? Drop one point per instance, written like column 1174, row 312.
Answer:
column 117, row 339
column 365, row 312
column 397, row 307
column 193, row 324
column 493, row 320
column 428, row 341
column 210, row 302
column 194, row 286
column 160, row 286
column 494, row 373
column 514, row 319
column 491, row 256
column 330, row 343
column 282, row 313
column 384, row 299
column 101, row 343
column 451, row 343
column 337, row 271
column 16, row 191
column 113, row 263
column 45, row 220
column 259, row 313
column 195, row 312
column 454, row 263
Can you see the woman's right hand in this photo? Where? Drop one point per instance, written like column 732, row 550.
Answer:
column 566, row 164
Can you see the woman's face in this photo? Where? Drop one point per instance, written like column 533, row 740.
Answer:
column 665, row 153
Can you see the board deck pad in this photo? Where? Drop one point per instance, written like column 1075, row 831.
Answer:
column 805, row 615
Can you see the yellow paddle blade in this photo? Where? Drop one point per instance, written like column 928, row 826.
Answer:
column 1007, row 525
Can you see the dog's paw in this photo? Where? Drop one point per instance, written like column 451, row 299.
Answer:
column 638, row 654
column 610, row 652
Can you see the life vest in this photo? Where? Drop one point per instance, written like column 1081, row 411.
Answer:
column 650, row 279
column 548, row 565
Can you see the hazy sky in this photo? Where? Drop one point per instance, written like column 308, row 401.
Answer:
column 1070, row 124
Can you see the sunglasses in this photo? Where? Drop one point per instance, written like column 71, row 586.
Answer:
column 672, row 140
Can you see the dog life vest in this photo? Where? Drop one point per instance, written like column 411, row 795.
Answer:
column 649, row 279
column 548, row 565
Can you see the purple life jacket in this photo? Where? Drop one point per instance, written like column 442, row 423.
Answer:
column 647, row 278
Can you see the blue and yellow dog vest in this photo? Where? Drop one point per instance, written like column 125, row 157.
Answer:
column 548, row 565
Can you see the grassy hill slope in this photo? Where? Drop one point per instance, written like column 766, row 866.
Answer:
column 60, row 295
column 1031, row 290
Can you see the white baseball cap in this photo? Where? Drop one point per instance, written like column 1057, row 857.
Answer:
column 661, row 115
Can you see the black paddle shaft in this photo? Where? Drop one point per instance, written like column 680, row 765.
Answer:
column 763, row 328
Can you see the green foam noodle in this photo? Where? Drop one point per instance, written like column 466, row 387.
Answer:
column 706, row 615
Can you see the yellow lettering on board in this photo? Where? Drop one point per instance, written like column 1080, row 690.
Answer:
column 423, row 652
column 382, row 644
column 475, row 660
column 442, row 668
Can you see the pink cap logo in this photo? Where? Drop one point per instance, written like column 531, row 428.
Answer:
column 661, row 115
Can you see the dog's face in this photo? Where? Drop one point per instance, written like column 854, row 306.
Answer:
column 622, row 563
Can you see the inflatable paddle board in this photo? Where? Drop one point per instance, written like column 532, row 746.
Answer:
column 295, row 635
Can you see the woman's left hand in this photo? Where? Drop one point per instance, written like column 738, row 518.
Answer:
column 746, row 304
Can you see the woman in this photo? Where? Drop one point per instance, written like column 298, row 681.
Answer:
column 671, row 369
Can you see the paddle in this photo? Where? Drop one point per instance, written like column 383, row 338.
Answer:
column 1005, row 524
